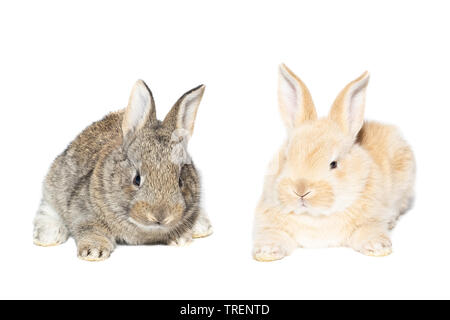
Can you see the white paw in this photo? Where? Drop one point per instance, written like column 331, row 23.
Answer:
column 94, row 252
column 202, row 227
column 49, row 232
column 182, row 241
column 377, row 247
column 268, row 252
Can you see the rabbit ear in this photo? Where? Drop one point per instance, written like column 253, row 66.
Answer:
column 140, row 109
column 294, row 99
column 182, row 115
column 348, row 108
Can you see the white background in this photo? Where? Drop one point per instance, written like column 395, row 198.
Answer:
column 64, row 65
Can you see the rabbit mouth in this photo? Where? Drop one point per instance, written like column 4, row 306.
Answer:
column 147, row 227
column 302, row 204
column 301, row 209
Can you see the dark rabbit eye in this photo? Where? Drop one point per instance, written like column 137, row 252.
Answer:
column 333, row 165
column 180, row 182
column 137, row 180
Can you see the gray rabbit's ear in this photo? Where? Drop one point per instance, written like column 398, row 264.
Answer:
column 182, row 115
column 140, row 110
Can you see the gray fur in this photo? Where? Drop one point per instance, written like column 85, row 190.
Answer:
column 90, row 186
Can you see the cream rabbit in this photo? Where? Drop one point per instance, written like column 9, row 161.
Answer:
column 336, row 181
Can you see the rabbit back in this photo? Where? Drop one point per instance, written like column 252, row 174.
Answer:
column 67, row 183
column 395, row 160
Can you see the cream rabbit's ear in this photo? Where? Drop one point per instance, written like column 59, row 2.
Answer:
column 182, row 115
column 294, row 99
column 140, row 109
column 348, row 108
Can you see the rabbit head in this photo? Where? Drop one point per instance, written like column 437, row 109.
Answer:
column 324, row 168
column 149, row 180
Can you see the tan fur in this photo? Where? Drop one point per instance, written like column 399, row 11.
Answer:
column 354, row 205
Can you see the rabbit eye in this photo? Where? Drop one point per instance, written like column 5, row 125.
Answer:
column 137, row 180
column 333, row 165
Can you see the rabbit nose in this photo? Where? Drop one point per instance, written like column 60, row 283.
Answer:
column 301, row 188
column 304, row 195
column 159, row 217
column 156, row 216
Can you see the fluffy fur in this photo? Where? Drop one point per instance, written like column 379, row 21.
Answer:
column 336, row 181
column 92, row 192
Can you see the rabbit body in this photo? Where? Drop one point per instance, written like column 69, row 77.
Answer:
column 125, row 179
column 337, row 181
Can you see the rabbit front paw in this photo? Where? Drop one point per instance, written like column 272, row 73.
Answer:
column 379, row 246
column 94, row 250
column 268, row 252
column 182, row 241
column 202, row 227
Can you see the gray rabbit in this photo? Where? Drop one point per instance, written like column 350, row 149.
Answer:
column 126, row 179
